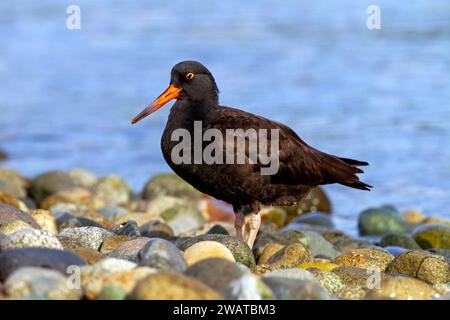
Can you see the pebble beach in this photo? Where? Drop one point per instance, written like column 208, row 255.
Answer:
column 71, row 235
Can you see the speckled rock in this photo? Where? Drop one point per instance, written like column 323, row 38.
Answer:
column 365, row 258
column 37, row 257
column 274, row 214
column 378, row 221
column 110, row 243
column 293, row 289
column 207, row 249
column 433, row 236
column 129, row 250
column 399, row 240
column 290, row 256
column 77, row 196
column 129, row 228
column 49, row 183
column 30, row 238
column 161, row 255
column 14, row 226
column 353, row 276
column 32, row 281
column 403, row 288
column 329, row 280
column 207, row 271
column 248, row 287
column 172, row 286
column 112, row 190
column 9, row 213
column 45, row 220
column 156, row 229
column 352, row 292
column 89, row 237
column 183, row 218
column 168, row 184
column 238, row 248
column 422, row 265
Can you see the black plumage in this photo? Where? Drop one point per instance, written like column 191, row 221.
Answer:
column 301, row 167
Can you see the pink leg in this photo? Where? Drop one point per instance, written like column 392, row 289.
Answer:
column 255, row 223
column 239, row 224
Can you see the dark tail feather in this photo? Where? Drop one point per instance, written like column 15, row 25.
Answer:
column 354, row 163
column 344, row 171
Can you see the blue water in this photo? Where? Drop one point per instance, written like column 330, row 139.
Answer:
column 67, row 96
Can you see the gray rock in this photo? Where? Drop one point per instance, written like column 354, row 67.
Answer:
column 378, row 221
column 67, row 220
column 319, row 246
column 216, row 273
column 182, row 218
column 37, row 257
column 129, row 228
column 162, row 255
column 45, row 283
column 156, row 229
column 293, row 289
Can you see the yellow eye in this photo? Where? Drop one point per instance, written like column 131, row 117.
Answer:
column 189, row 76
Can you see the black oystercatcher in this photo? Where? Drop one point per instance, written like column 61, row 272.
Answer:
column 245, row 185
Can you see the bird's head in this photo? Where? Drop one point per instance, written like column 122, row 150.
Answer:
column 190, row 80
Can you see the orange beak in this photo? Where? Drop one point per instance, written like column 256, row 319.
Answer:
column 171, row 93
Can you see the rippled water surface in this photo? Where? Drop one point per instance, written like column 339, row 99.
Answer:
column 67, row 97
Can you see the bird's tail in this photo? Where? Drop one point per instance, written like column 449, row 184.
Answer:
column 344, row 171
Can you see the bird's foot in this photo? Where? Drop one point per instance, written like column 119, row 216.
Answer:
column 239, row 224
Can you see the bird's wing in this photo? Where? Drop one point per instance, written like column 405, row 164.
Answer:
column 299, row 163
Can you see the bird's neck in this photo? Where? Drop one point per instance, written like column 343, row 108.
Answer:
column 185, row 112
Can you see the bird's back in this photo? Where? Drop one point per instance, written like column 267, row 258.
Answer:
column 300, row 167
